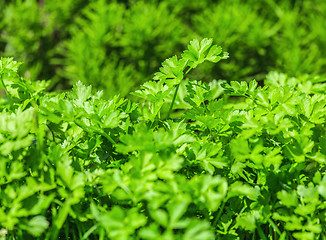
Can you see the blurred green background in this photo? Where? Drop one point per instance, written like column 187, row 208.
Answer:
column 117, row 45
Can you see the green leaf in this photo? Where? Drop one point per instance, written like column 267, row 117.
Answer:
column 196, row 53
column 199, row 230
column 160, row 216
column 213, row 53
column 322, row 187
column 288, row 199
column 247, row 221
column 8, row 64
column 37, row 225
column 171, row 71
column 81, row 93
column 239, row 188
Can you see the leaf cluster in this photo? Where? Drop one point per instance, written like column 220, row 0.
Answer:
column 235, row 161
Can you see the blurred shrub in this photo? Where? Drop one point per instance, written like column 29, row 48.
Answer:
column 115, row 45
column 114, row 48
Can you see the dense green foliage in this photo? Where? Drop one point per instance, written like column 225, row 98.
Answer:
column 234, row 161
column 116, row 45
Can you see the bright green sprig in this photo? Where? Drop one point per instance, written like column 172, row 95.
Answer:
column 174, row 70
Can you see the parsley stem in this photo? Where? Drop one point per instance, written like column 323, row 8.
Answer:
column 108, row 137
column 261, row 233
column 5, row 88
column 175, row 94
column 173, row 100
column 274, row 226
column 220, row 211
column 89, row 232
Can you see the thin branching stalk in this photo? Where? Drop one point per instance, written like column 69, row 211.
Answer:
column 175, row 94
column 5, row 88
column 173, row 100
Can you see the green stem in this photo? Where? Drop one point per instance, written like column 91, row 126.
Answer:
column 5, row 88
column 61, row 218
column 102, row 234
column 173, row 100
column 108, row 137
column 188, row 71
column 220, row 211
column 89, row 232
column 175, row 93
column 274, row 226
column 261, row 233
